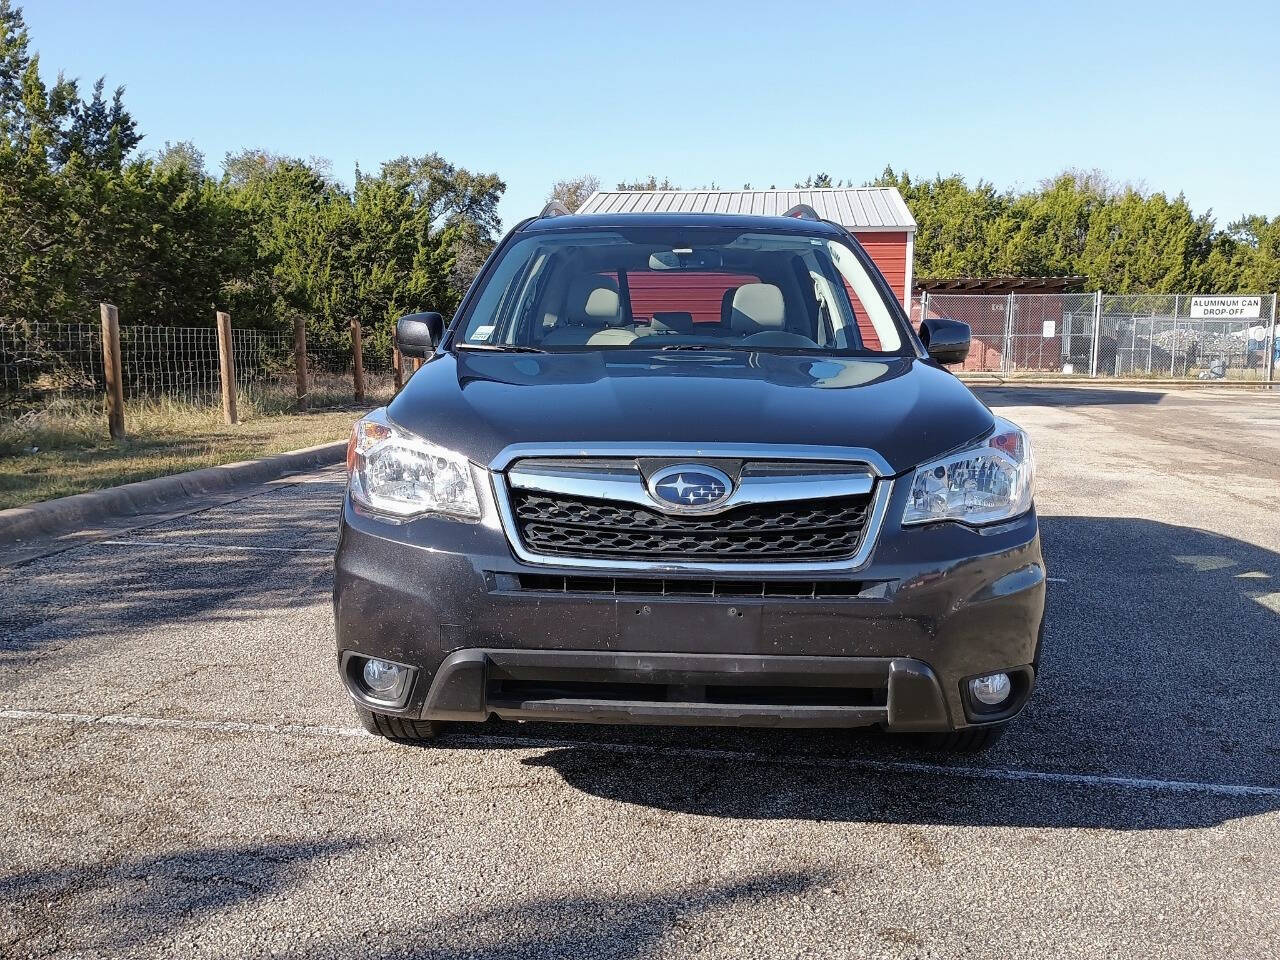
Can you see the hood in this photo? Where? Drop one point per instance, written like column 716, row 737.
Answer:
column 478, row 403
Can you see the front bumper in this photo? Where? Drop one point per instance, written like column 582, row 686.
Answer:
column 486, row 634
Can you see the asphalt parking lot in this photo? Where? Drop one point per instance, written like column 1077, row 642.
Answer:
column 182, row 774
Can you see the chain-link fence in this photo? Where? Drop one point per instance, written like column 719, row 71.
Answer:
column 1166, row 336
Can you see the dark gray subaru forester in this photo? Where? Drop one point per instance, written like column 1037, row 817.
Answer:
column 688, row 469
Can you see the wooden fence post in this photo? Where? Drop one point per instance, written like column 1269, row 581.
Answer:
column 397, row 365
column 300, row 358
column 227, row 368
column 357, row 359
column 111, row 369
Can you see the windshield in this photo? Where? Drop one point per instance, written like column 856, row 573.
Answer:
column 681, row 288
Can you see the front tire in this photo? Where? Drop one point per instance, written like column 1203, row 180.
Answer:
column 398, row 729
column 970, row 740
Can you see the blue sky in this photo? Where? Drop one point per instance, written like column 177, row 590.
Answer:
column 1177, row 97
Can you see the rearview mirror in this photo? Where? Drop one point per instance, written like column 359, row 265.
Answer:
column 946, row 340
column 418, row 333
column 686, row 258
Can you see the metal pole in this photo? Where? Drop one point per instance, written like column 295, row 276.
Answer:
column 1097, row 332
column 1271, row 342
column 1151, row 334
column 1007, row 363
column 1173, row 343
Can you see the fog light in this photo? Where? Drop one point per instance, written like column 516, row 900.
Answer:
column 381, row 677
column 992, row 689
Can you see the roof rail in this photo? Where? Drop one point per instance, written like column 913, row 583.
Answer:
column 802, row 211
column 554, row 209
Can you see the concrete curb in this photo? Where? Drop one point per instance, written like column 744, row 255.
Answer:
column 66, row 514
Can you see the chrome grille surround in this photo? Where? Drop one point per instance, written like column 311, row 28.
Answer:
column 592, row 471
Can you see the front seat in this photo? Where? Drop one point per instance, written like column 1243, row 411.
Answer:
column 756, row 308
column 593, row 314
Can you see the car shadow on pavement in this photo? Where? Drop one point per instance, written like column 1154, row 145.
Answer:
column 1159, row 664
column 750, row 789
column 610, row 927
column 108, row 909
column 139, row 906
column 1066, row 396
column 139, row 583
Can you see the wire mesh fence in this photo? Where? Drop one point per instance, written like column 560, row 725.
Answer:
column 57, row 366
column 46, row 361
column 1169, row 336
column 182, row 363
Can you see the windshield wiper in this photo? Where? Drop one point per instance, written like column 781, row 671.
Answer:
column 501, row 347
column 690, row 346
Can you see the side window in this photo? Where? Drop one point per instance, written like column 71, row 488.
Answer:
column 866, row 329
column 875, row 323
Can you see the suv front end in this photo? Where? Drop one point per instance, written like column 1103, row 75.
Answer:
column 588, row 535
column 486, row 619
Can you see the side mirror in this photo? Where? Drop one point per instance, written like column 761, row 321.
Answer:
column 418, row 333
column 946, row 340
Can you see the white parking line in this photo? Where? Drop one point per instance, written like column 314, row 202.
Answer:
column 1055, row 579
column 183, row 723
column 892, row 766
column 201, row 545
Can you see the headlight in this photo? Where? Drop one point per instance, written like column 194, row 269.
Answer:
column 987, row 483
column 395, row 473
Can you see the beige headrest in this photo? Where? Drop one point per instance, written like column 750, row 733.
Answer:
column 602, row 303
column 593, row 301
column 756, row 305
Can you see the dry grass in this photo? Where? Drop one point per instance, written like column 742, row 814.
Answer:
column 64, row 448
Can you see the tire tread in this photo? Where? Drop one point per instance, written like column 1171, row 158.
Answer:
column 398, row 729
column 969, row 740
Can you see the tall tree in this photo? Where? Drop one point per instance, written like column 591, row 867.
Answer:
column 103, row 135
column 651, row 183
column 819, row 181
column 573, row 193
column 181, row 154
column 959, row 226
column 1252, row 245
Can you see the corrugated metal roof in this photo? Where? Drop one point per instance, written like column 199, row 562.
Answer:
column 858, row 208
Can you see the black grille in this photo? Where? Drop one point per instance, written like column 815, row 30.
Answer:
column 642, row 586
column 799, row 530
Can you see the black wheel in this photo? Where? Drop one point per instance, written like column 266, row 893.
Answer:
column 399, row 729
column 972, row 740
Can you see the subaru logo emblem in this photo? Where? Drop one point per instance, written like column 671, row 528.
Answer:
column 690, row 488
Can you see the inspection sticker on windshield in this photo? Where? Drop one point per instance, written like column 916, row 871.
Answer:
column 482, row 332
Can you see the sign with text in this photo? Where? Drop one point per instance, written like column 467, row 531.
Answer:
column 1226, row 308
